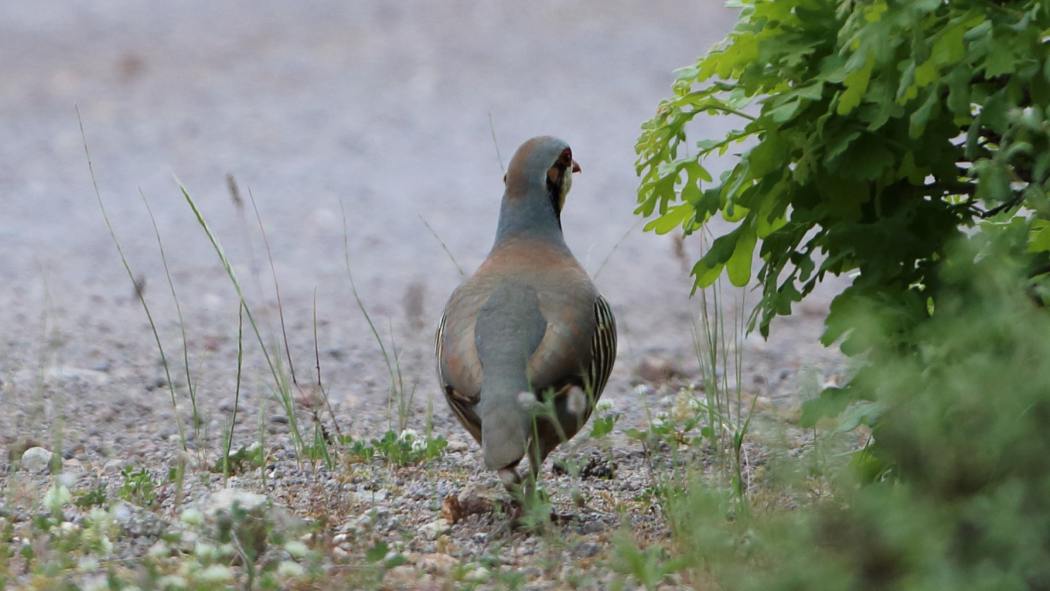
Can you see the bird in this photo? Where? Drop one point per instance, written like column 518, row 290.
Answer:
column 526, row 344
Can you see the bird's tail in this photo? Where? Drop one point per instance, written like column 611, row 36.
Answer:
column 505, row 428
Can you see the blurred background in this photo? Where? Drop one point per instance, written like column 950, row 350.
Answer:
column 383, row 106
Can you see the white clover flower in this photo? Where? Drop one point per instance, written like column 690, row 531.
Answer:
column 56, row 497
column 98, row 517
column 106, row 545
column 418, row 445
column 158, row 550
column 288, row 568
column 295, row 548
column 87, row 563
column 227, row 549
column 205, row 551
column 604, row 405
column 97, row 583
column 215, row 573
column 171, row 582
column 192, row 516
column 408, row 435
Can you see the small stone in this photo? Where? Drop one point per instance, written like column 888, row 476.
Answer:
column 656, row 370
column 402, row 577
column 478, row 575
column 437, row 564
column 36, row 460
column 592, row 527
column 435, row 528
column 457, row 446
column 112, row 466
column 78, row 374
column 587, row 549
column 72, row 465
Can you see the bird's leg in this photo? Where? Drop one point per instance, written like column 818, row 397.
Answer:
column 510, row 478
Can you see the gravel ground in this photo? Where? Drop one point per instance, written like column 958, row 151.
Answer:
column 386, row 108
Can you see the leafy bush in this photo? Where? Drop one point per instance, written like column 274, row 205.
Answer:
column 874, row 133
column 965, row 435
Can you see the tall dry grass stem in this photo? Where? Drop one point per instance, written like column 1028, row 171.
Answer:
column 131, row 276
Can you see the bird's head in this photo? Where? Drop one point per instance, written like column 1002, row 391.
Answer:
column 542, row 166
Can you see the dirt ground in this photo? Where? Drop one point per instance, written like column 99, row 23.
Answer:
column 382, row 106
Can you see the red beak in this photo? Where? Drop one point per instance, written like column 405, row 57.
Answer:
column 576, row 166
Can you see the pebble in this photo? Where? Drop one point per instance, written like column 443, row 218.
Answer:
column 73, row 374
column 587, row 549
column 112, row 466
column 457, row 446
column 402, row 577
column 36, row 460
column 435, row 528
column 656, row 369
column 437, row 563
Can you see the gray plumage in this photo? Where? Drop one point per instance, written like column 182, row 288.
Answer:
column 529, row 320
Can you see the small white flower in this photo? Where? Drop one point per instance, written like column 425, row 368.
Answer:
column 192, row 516
column 408, row 435
column 56, row 497
column 97, row 583
column 87, row 563
column 158, row 550
column 295, row 548
column 287, row 568
column 205, row 551
column 604, row 405
column 226, row 550
column 171, row 582
column 98, row 517
column 418, row 445
column 215, row 573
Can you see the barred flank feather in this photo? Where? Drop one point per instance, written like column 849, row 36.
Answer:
column 603, row 348
column 462, row 407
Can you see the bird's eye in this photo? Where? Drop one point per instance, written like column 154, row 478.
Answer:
column 566, row 157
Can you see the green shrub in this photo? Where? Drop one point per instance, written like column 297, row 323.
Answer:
column 873, row 134
column 955, row 492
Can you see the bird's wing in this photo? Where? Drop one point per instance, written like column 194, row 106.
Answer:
column 458, row 370
column 603, row 348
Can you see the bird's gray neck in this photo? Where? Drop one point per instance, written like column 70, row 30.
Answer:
column 529, row 216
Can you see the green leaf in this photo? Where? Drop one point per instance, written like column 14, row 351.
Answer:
column 739, row 265
column 856, row 83
column 865, row 412
column 918, row 120
column 709, row 267
column 377, row 552
column 670, row 220
column 1001, row 59
column 769, row 155
column 949, row 46
column 830, row 403
column 1039, row 236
